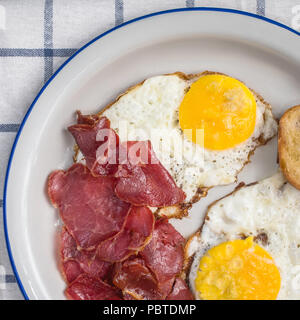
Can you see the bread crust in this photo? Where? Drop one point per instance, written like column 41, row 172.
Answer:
column 180, row 211
column 289, row 145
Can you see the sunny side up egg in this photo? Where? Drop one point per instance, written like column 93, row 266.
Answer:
column 249, row 245
column 203, row 127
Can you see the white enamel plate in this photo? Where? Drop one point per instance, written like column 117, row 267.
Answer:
column 258, row 51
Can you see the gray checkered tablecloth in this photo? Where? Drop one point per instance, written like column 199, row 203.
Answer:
column 37, row 36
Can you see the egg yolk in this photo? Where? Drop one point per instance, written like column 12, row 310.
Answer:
column 237, row 270
column 223, row 107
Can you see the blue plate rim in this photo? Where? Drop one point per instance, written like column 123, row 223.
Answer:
column 211, row 9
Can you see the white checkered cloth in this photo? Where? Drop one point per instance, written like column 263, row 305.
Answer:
column 37, row 36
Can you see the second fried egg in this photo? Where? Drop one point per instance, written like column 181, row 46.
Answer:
column 249, row 245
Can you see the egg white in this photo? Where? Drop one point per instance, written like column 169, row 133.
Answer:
column 270, row 207
column 155, row 105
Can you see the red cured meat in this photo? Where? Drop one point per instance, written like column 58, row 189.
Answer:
column 86, row 287
column 166, row 287
column 135, row 235
column 71, row 270
column 164, row 254
column 136, row 281
column 143, row 180
column 90, row 119
column 75, row 262
column 88, row 206
column 180, row 291
column 127, row 296
column 97, row 142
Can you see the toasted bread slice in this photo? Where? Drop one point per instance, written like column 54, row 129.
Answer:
column 289, row 145
column 268, row 131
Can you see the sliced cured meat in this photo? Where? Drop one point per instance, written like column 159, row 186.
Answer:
column 155, row 291
column 136, row 281
column 166, row 287
column 71, row 270
column 88, row 206
column 76, row 262
column 86, row 287
column 164, row 253
column 90, row 119
column 133, row 237
column 127, row 296
column 97, row 142
column 180, row 291
column 143, row 180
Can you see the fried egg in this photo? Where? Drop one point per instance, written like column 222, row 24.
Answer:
column 249, row 245
column 203, row 127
